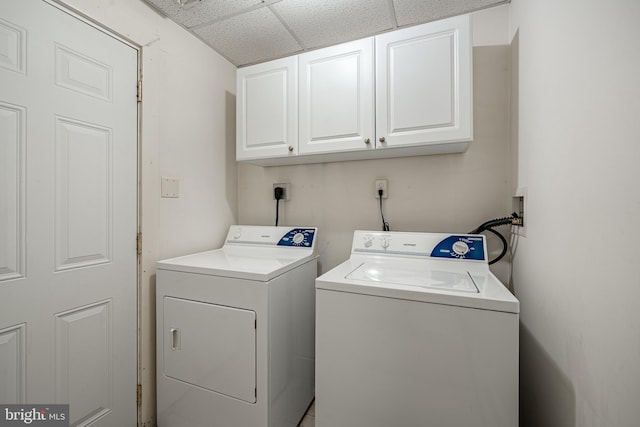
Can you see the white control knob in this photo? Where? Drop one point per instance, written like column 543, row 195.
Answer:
column 460, row 248
column 298, row 238
column 237, row 235
column 384, row 242
column 368, row 241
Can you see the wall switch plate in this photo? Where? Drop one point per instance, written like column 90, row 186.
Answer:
column 381, row 184
column 170, row 187
column 287, row 191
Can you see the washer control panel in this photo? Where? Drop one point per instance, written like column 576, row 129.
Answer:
column 460, row 247
column 425, row 245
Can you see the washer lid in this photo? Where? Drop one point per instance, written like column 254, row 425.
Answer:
column 391, row 278
column 412, row 276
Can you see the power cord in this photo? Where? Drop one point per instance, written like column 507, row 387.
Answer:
column 514, row 219
column 278, row 192
column 385, row 224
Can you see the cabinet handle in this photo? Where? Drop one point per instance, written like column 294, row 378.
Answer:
column 291, row 148
column 367, row 141
column 381, row 139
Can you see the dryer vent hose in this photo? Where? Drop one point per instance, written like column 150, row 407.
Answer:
column 514, row 219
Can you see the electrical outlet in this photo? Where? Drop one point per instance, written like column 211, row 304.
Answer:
column 287, row 191
column 381, row 184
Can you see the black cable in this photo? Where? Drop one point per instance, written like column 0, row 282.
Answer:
column 488, row 226
column 504, row 246
column 278, row 192
column 385, row 224
column 495, row 223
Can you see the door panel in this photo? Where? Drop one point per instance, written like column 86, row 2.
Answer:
column 422, row 84
column 83, row 361
column 68, row 214
column 12, row 174
column 83, row 74
column 12, row 364
column 12, row 47
column 83, row 200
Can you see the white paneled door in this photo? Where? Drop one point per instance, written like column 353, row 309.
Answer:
column 68, row 215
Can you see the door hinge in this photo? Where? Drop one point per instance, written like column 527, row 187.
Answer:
column 139, row 243
column 139, row 395
column 139, row 92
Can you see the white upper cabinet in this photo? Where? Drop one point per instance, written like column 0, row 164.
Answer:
column 423, row 84
column 336, row 110
column 402, row 93
column 267, row 110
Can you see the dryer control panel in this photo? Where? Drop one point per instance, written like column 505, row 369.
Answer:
column 298, row 237
column 265, row 236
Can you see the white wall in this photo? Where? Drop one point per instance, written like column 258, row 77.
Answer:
column 453, row 193
column 187, row 132
column 576, row 273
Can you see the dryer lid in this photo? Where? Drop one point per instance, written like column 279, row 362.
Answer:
column 241, row 263
column 251, row 252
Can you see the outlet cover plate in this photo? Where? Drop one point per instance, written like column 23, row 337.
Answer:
column 381, row 184
column 170, row 188
column 287, row 191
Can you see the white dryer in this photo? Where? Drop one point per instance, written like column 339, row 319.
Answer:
column 235, row 331
column 414, row 330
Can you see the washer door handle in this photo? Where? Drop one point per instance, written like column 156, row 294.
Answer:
column 175, row 338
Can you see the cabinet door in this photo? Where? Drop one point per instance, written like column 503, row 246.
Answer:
column 336, row 98
column 423, row 84
column 210, row 346
column 267, row 110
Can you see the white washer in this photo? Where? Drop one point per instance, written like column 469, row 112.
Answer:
column 414, row 330
column 235, row 331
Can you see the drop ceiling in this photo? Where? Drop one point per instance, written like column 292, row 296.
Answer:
column 252, row 31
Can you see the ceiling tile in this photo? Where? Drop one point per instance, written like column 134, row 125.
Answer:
column 252, row 31
column 251, row 37
column 409, row 12
column 318, row 23
column 202, row 11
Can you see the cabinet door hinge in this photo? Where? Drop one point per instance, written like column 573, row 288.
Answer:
column 139, row 243
column 139, row 395
column 139, row 92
